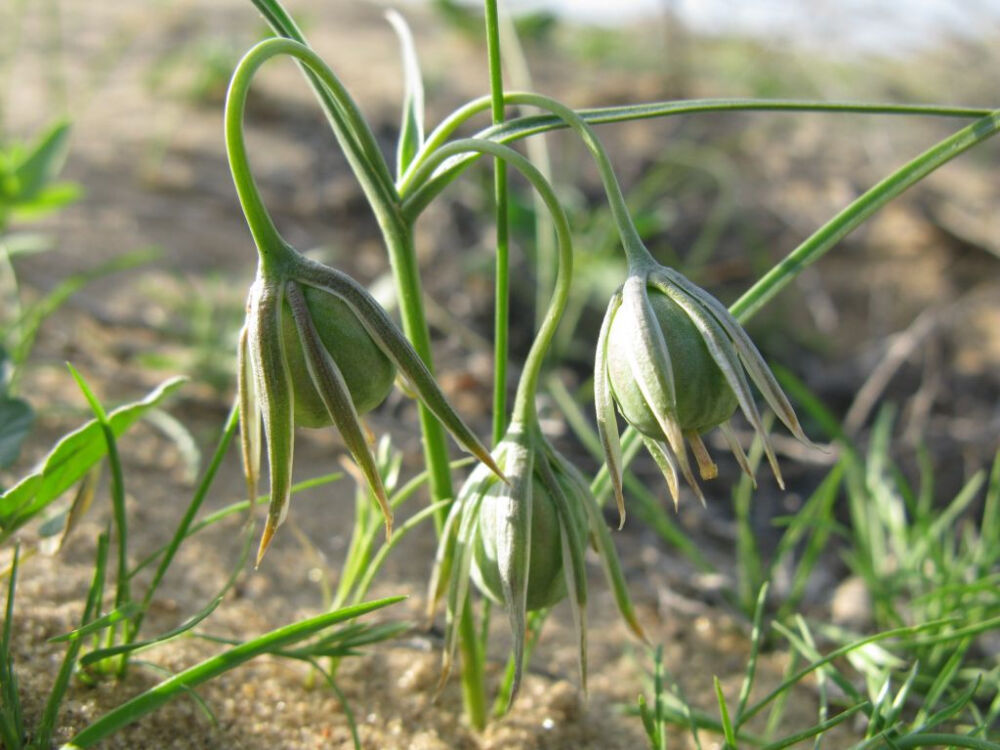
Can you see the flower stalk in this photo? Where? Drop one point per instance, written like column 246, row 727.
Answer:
column 523, row 541
column 332, row 318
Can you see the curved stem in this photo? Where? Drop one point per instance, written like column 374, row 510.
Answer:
column 522, row 127
column 265, row 234
column 439, row 136
column 353, row 134
column 338, row 108
column 524, row 402
column 351, row 129
column 634, row 248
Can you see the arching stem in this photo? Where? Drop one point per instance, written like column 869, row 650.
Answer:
column 524, row 401
column 359, row 146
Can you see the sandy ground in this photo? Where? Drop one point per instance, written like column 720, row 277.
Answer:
column 153, row 167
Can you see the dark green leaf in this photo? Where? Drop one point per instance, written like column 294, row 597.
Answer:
column 16, row 419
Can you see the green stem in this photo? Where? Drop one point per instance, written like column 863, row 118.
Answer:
column 524, row 401
column 352, row 134
column 635, row 250
column 859, row 211
column 340, row 108
column 192, row 510
column 943, row 740
column 404, row 265
column 473, row 679
column 502, row 283
column 354, row 137
column 523, row 127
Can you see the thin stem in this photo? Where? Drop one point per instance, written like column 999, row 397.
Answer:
column 439, row 136
column 180, row 533
column 265, row 233
column 632, row 243
column 524, row 402
column 859, row 211
column 522, row 127
column 502, row 282
column 354, row 137
column 473, row 679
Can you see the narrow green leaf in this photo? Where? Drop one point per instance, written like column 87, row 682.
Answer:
column 794, row 739
column 42, row 163
column 756, row 638
column 727, row 725
column 126, row 611
column 132, row 646
column 70, row 459
column 46, row 725
column 11, row 724
column 162, row 693
column 411, row 132
column 48, row 199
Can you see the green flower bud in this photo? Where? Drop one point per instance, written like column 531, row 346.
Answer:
column 317, row 349
column 367, row 372
column 546, row 577
column 704, row 398
column 522, row 543
column 676, row 364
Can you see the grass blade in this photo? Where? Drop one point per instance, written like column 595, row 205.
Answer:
column 727, row 725
column 210, row 668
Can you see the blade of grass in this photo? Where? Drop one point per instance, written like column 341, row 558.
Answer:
column 727, row 725
column 341, row 699
column 123, row 596
column 135, row 646
column 836, row 654
column 11, row 723
column 200, row 702
column 819, row 729
column 160, row 694
column 756, row 637
column 228, row 431
column 107, row 620
column 47, row 723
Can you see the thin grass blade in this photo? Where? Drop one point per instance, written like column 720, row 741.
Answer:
column 162, row 693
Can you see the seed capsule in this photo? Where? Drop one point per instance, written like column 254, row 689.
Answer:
column 367, row 372
column 546, row 577
column 676, row 364
column 704, row 398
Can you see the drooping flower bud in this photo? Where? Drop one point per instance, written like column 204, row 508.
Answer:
column 675, row 362
column 318, row 349
column 522, row 543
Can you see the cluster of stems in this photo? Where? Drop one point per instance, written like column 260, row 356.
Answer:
column 426, row 164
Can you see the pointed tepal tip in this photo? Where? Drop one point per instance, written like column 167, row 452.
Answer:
column 636, row 628
column 265, row 541
column 487, row 459
column 443, row 679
